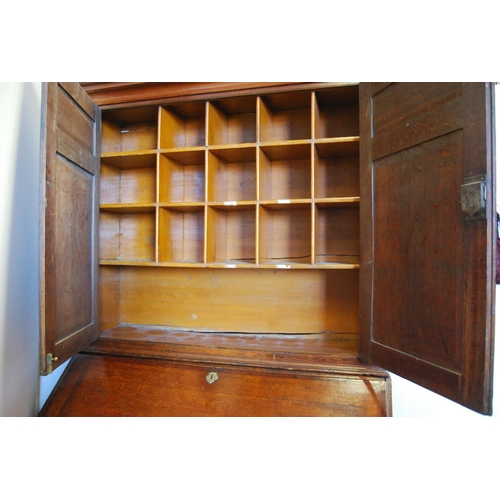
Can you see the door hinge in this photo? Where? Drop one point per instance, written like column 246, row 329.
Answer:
column 50, row 358
column 473, row 198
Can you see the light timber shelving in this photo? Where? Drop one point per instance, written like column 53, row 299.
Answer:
column 250, row 181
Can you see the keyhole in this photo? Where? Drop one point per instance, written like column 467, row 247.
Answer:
column 212, row 377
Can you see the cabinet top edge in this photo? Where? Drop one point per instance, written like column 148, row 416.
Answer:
column 110, row 95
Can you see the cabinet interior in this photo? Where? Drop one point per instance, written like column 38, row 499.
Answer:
column 232, row 215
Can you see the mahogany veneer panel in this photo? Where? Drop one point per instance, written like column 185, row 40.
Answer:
column 116, row 386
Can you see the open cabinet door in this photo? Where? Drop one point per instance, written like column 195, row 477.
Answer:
column 68, row 223
column 428, row 229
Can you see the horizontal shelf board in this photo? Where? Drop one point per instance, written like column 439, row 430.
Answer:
column 128, row 208
column 336, row 145
column 185, row 156
column 235, row 153
column 236, row 264
column 296, row 265
column 286, row 262
column 183, row 206
column 117, row 262
column 287, row 150
column 350, row 260
column 271, row 264
column 228, row 205
column 334, row 265
column 180, row 263
column 273, row 204
column 130, row 159
column 231, row 265
column 285, row 144
column 283, row 204
column 221, row 148
column 232, row 146
column 338, row 201
column 151, row 263
column 337, row 140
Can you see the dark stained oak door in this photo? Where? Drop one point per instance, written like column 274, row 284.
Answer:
column 68, row 222
column 427, row 268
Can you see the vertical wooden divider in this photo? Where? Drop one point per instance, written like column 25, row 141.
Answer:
column 206, row 220
column 157, row 199
column 257, row 180
column 206, row 226
column 313, row 178
column 157, row 210
column 313, row 208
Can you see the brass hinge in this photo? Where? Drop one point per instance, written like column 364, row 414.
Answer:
column 49, row 359
column 473, row 198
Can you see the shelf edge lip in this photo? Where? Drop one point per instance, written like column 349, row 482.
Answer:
column 180, row 150
column 284, row 202
column 338, row 200
column 336, row 140
column 116, row 262
column 120, row 154
column 232, row 203
column 292, row 142
column 128, row 208
column 228, row 265
column 127, row 205
column 181, row 204
column 232, row 145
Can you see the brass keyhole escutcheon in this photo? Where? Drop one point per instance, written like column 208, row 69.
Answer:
column 212, row 377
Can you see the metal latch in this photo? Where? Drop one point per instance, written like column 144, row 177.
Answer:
column 49, row 359
column 473, row 198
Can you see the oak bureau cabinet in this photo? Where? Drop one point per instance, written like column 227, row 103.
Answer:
column 266, row 248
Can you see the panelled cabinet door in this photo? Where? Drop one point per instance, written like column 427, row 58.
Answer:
column 428, row 231
column 68, row 222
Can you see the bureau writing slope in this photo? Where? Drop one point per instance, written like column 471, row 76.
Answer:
column 266, row 249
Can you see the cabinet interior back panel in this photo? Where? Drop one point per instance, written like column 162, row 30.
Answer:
column 275, row 301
